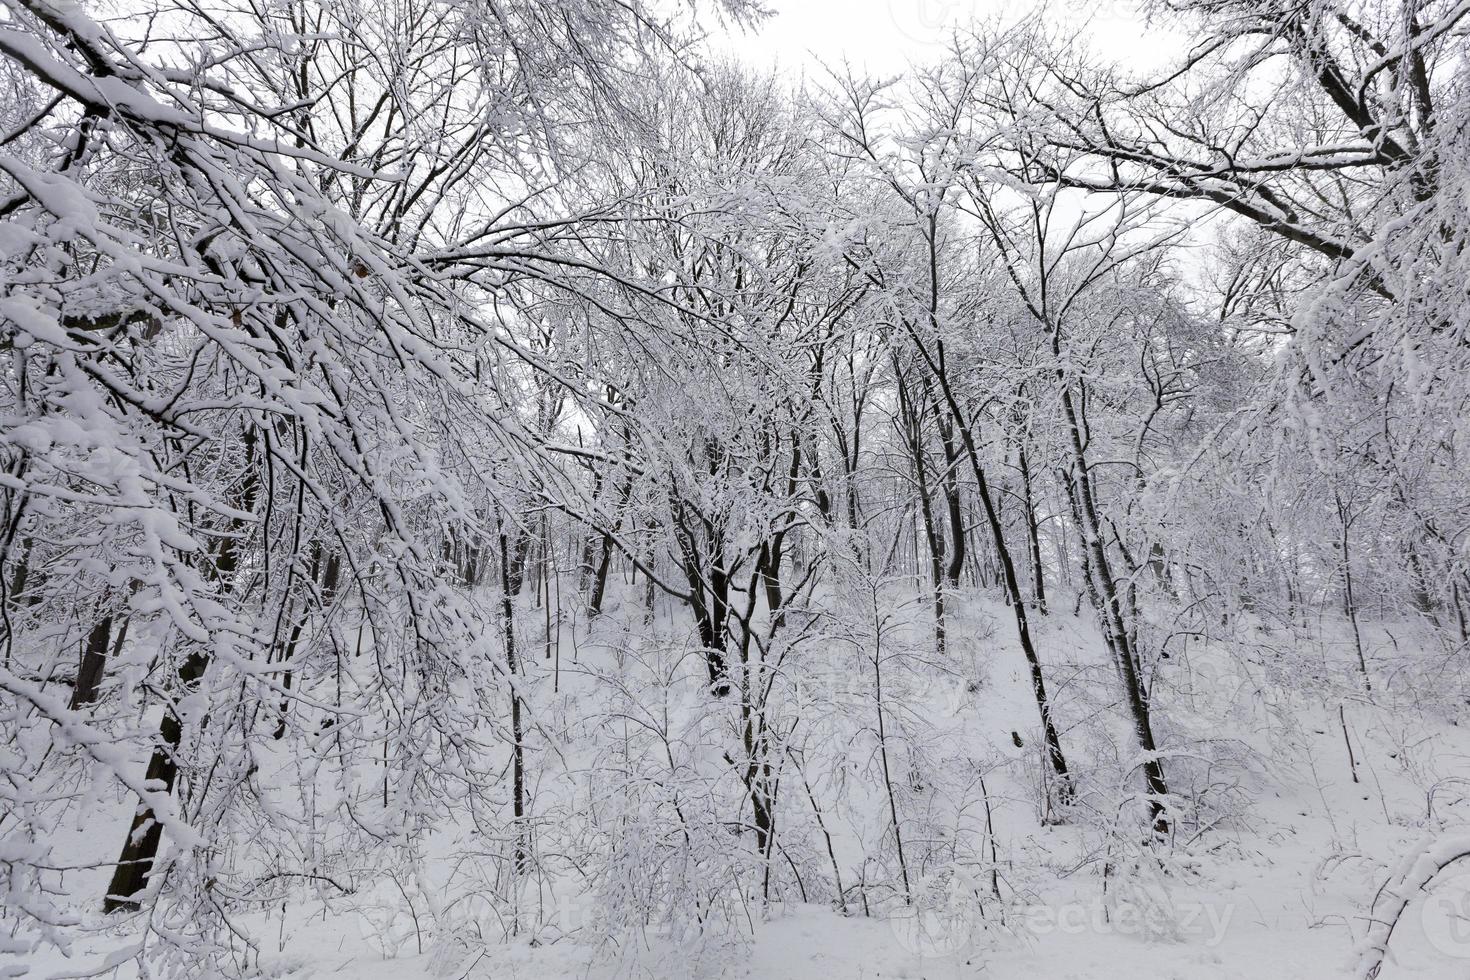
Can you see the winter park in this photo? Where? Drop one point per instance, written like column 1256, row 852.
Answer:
column 765, row 489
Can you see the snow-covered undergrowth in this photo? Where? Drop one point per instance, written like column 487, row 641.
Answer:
column 1299, row 798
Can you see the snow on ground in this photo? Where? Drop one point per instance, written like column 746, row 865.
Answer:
column 1279, row 882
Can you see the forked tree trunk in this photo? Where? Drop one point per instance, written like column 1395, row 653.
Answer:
column 1107, row 597
column 708, row 594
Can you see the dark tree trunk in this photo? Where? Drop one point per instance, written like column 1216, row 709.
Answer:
column 1350, row 604
column 140, row 849
column 510, row 587
column 93, row 664
column 22, row 571
column 329, row 572
column 1065, row 788
column 1033, row 535
column 145, row 834
column 599, row 578
column 708, row 594
column 1108, row 599
column 958, row 533
column 912, row 423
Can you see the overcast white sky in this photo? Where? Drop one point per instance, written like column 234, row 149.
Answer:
column 885, row 35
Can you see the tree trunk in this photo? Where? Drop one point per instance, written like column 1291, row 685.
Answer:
column 1066, row 790
column 140, row 849
column 954, row 504
column 509, row 587
column 912, row 423
column 1033, row 535
column 93, row 664
column 1350, row 602
column 903, row 867
column 1107, row 600
column 708, row 596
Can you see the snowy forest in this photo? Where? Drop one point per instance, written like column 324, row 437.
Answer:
column 506, row 488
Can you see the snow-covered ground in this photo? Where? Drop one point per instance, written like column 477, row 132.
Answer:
column 1275, row 875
